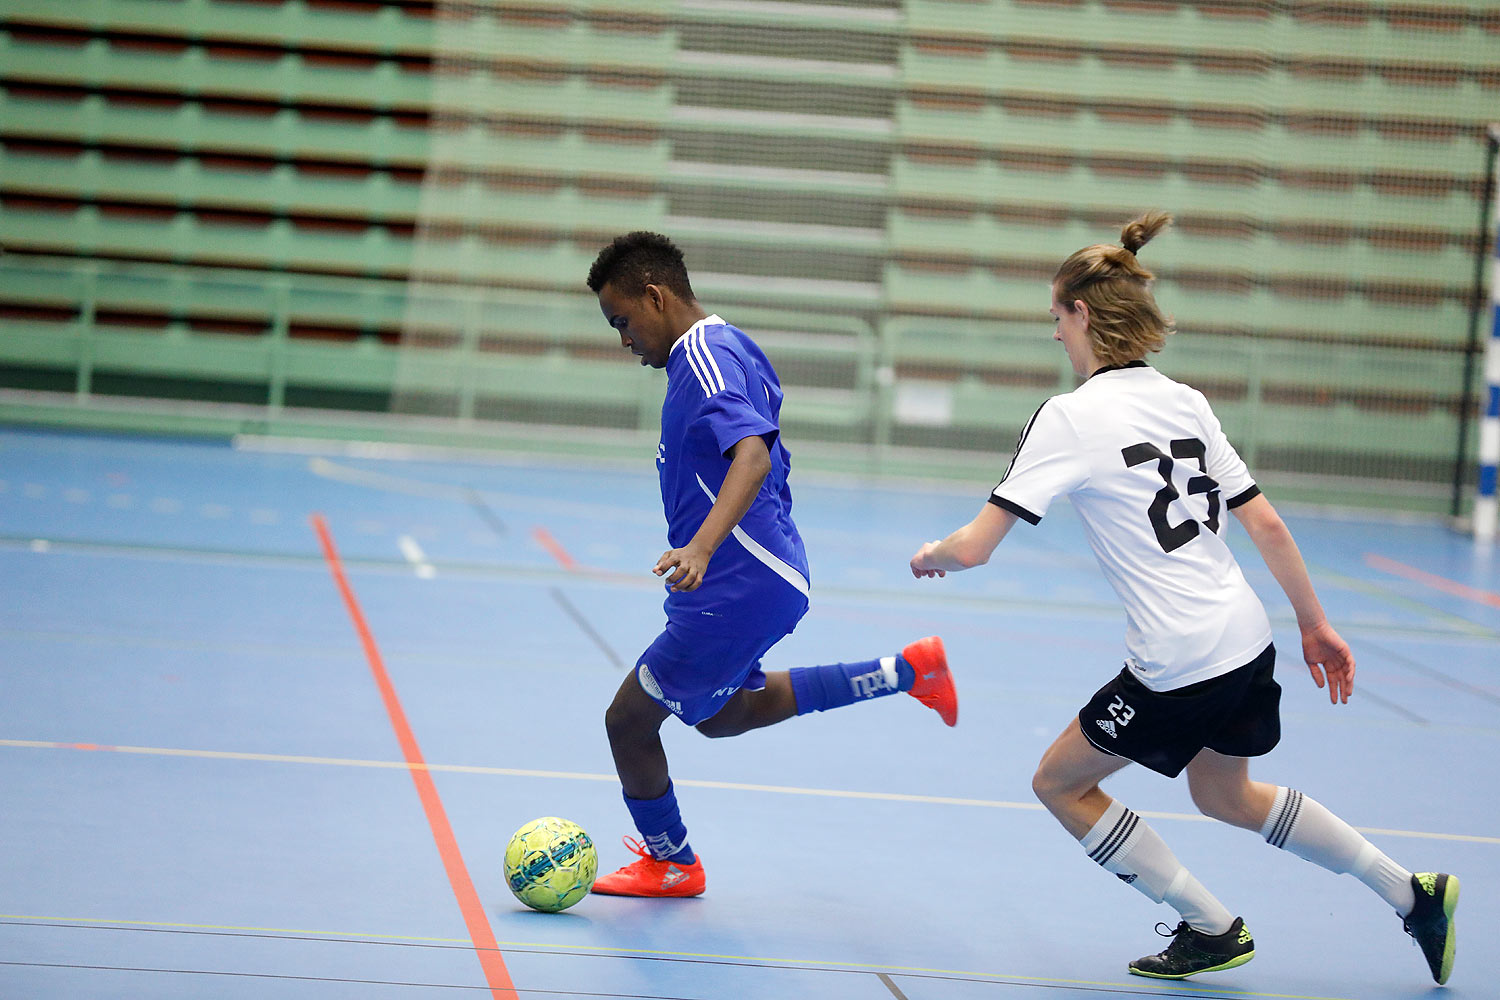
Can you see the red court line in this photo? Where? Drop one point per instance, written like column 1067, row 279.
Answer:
column 1432, row 580
column 480, row 933
column 544, row 538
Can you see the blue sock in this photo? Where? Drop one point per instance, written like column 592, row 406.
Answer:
column 661, row 825
column 818, row 689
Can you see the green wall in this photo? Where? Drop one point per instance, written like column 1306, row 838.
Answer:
column 366, row 219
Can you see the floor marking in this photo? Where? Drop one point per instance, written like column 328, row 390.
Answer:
column 554, row 548
column 895, row 990
column 167, row 926
column 687, row 957
column 1436, row 675
column 414, row 555
column 908, row 601
column 1383, row 591
column 246, row 975
column 483, row 937
column 1441, row 583
column 1392, row 706
column 588, row 629
column 326, row 469
column 484, row 510
column 731, row 786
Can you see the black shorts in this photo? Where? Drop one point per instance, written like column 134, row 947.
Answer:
column 1237, row 714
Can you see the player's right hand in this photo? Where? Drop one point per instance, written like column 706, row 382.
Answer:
column 919, row 562
column 687, row 566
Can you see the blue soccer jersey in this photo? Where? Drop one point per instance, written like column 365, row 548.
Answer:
column 722, row 389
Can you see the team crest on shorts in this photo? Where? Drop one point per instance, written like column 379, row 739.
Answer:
column 653, row 688
column 648, row 682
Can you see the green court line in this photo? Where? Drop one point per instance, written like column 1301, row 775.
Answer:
column 577, row 950
column 734, row 786
column 645, row 581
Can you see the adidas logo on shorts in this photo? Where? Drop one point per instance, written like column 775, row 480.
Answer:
column 1108, row 725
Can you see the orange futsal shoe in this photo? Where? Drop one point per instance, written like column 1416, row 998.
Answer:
column 934, row 686
column 651, row 876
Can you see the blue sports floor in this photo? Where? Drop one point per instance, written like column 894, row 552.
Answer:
column 212, row 756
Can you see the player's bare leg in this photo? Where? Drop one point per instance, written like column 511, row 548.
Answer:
column 749, row 710
column 1067, row 780
column 633, row 723
column 1209, row 938
column 1222, row 790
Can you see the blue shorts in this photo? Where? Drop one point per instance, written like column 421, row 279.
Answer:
column 692, row 674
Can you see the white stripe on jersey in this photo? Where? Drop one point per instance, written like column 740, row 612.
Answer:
column 693, row 364
column 759, row 551
column 702, row 341
column 698, row 356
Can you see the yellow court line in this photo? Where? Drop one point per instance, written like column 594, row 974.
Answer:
column 734, row 786
column 762, row 960
column 232, row 928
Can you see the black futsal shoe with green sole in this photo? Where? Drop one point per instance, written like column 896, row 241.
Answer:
column 1431, row 921
column 1192, row 952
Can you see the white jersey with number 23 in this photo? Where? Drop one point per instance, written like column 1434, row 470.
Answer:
column 1153, row 478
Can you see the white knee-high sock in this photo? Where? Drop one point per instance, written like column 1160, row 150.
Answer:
column 1300, row 824
column 1122, row 843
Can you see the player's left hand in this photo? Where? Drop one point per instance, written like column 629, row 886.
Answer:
column 1325, row 652
column 689, row 565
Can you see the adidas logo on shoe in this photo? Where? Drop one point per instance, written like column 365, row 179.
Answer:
column 1192, row 952
column 1108, row 725
column 649, row 875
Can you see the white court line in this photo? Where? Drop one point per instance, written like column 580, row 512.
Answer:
column 409, row 486
column 735, row 786
column 414, row 555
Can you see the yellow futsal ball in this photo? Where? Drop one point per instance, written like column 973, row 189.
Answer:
column 550, row 864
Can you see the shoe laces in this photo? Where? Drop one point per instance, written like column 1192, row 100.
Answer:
column 636, row 847
column 1168, row 931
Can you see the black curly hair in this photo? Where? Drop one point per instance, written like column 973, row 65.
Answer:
column 635, row 260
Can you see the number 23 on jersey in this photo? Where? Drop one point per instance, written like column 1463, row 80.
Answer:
column 1175, row 536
